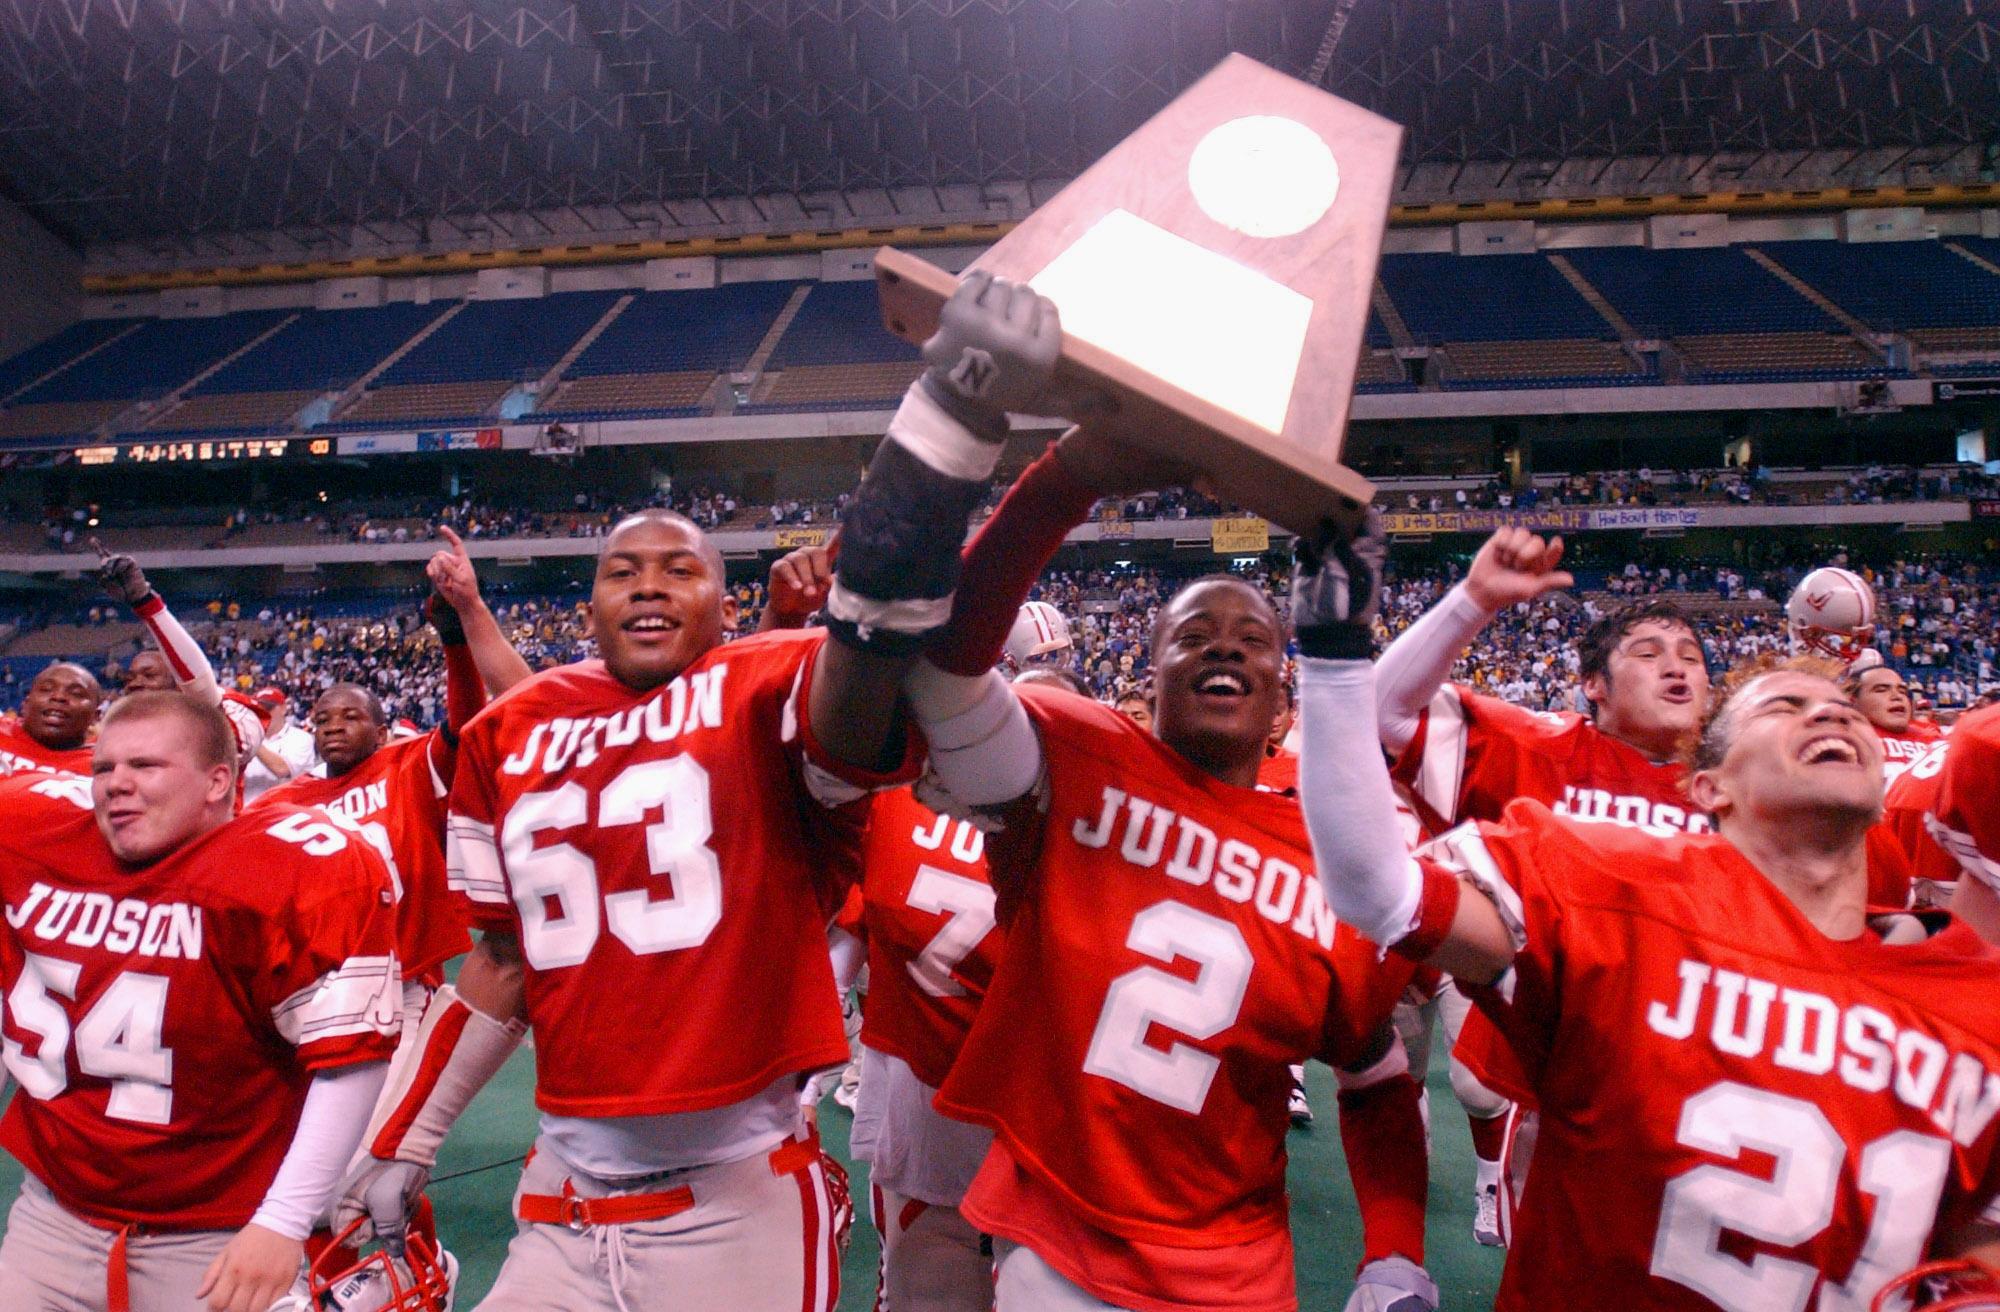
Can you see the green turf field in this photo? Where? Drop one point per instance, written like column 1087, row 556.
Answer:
column 477, row 1171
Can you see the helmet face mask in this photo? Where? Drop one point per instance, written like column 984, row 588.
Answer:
column 1947, row 1286
column 418, row 1278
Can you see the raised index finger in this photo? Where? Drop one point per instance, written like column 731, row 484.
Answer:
column 452, row 539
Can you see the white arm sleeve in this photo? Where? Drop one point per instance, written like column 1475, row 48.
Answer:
column 1371, row 881
column 189, row 664
column 1417, row 663
column 983, row 749
column 336, row 1113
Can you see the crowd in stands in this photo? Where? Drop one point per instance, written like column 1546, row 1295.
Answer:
column 590, row 513
column 1939, row 622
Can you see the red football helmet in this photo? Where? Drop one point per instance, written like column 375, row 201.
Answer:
column 419, row 1279
column 1954, row 1286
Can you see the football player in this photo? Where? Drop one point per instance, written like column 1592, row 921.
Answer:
column 643, row 841
column 1680, row 1002
column 393, row 793
column 1138, row 1159
column 177, row 653
column 197, row 1050
column 1965, row 816
column 52, row 732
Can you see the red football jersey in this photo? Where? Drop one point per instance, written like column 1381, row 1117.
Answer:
column 1474, row 754
column 20, row 754
column 1169, row 954
column 164, row 1022
column 1912, row 797
column 1966, row 820
column 1784, row 1115
column 1902, row 750
column 928, row 917
column 396, row 798
column 1280, row 771
column 663, row 859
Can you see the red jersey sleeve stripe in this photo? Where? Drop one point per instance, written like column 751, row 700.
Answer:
column 363, row 995
column 472, row 861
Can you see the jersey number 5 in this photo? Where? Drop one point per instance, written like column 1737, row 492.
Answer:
column 555, row 886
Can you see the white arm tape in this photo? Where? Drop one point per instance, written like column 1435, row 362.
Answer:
column 1417, row 663
column 456, row 1051
column 1371, row 881
column 330, row 1129
column 983, row 749
column 927, row 431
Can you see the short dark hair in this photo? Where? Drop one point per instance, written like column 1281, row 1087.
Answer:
column 207, row 727
column 1602, row 638
column 1220, row 576
column 374, row 703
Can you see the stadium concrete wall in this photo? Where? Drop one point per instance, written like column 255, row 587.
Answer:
column 41, row 275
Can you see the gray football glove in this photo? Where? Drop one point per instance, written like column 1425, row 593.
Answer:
column 1337, row 591
column 994, row 351
column 123, row 579
column 385, row 1192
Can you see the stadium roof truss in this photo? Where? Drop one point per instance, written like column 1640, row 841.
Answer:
column 143, row 130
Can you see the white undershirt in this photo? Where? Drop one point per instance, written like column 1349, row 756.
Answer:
column 622, row 1147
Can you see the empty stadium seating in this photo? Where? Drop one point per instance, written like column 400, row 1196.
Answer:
column 630, row 396
column 30, row 365
column 1559, row 363
column 658, row 358
column 1757, row 357
column 163, row 355
column 459, row 372
column 1671, row 293
column 838, row 341
column 1895, row 286
column 1493, row 322
column 1451, row 298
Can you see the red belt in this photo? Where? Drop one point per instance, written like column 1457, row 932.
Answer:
column 578, row 1213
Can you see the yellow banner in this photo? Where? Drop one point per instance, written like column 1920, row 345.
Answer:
column 1239, row 537
column 791, row 539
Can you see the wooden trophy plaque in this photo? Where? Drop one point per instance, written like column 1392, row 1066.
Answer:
column 1214, row 273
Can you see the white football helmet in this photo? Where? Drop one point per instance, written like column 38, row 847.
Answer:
column 1040, row 633
column 1832, row 613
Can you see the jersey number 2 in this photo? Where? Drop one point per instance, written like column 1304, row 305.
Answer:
column 1201, row 1008
column 1903, row 1171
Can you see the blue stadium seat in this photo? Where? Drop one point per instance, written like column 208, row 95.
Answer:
column 1487, row 298
column 18, row 371
column 1894, row 286
column 324, row 350
column 514, row 340
column 1682, row 293
column 155, row 360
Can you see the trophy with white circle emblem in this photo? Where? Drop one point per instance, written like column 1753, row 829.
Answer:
column 1214, row 274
